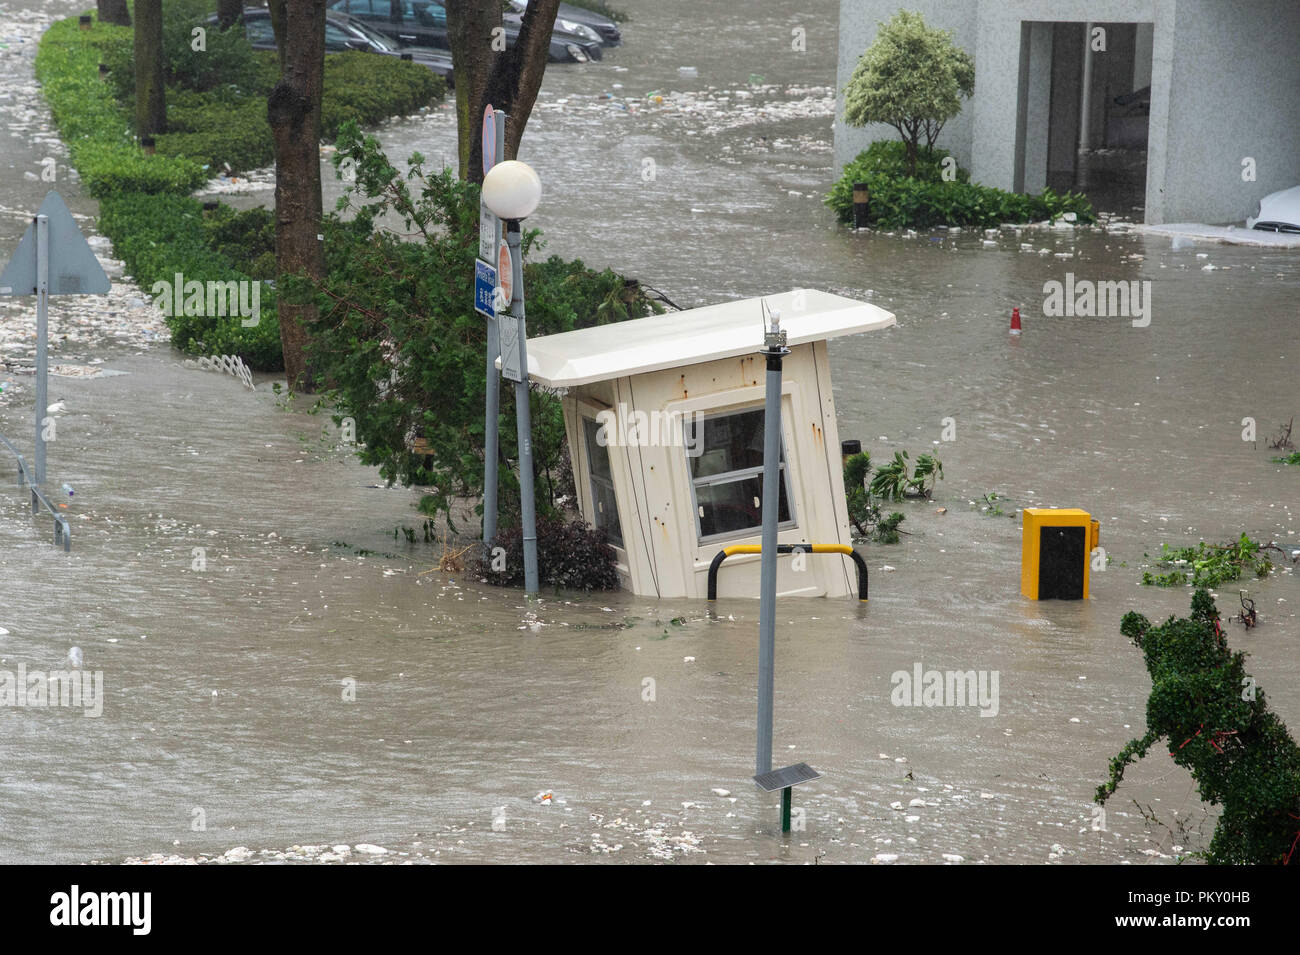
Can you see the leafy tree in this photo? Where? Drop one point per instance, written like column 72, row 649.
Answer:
column 1217, row 726
column 402, row 348
column 912, row 78
column 294, row 112
column 488, row 72
column 150, row 107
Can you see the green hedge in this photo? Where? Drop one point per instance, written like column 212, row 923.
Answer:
column 157, row 236
column 900, row 201
column 93, row 124
column 216, row 115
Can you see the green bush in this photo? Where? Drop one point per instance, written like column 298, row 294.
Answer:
column 366, row 88
column 402, row 347
column 216, row 128
column 216, row 111
column 1210, row 564
column 1217, row 725
column 157, row 236
column 571, row 555
column 110, row 169
column 226, row 59
column 93, row 124
column 928, row 199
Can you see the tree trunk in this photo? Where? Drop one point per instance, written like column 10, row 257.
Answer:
column 229, row 12
column 509, row 79
column 150, row 109
column 293, row 110
column 113, row 11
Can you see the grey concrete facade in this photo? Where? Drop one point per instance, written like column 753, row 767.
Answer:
column 1224, row 78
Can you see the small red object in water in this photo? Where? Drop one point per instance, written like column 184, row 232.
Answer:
column 1015, row 321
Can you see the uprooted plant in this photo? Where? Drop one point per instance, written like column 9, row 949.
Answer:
column 890, row 483
column 1219, row 728
column 1208, row 565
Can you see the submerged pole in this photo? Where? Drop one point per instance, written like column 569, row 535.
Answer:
column 1082, row 155
column 523, row 416
column 774, row 349
column 490, row 443
column 42, row 343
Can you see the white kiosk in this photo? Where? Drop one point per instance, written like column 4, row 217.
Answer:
column 664, row 418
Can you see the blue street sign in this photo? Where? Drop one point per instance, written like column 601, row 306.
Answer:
column 485, row 283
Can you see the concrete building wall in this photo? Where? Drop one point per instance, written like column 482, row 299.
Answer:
column 1225, row 84
column 1234, row 92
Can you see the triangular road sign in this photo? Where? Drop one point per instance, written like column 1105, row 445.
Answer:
column 74, row 270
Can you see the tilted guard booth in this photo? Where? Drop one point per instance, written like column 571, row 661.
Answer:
column 664, row 419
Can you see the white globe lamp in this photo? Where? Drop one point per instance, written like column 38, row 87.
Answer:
column 512, row 190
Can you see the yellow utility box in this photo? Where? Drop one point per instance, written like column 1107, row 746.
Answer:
column 1055, row 551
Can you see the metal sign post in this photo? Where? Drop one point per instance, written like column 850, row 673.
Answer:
column 494, row 145
column 52, row 258
column 42, row 342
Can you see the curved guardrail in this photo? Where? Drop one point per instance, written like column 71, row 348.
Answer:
column 734, row 549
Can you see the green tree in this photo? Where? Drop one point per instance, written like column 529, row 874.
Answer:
column 490, row 71
column 1213, row 717
column 294, row 112
column 150, row 107
column 912, row 78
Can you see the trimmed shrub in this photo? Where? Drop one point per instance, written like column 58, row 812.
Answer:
column 571, row 555
column 367, row 88
column 899, row 201
column 158, row 236
column 93, row 124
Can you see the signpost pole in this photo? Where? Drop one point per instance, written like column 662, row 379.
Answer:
column 490, row 445
column 42, row 341
column 774, row 350
column 523, row 416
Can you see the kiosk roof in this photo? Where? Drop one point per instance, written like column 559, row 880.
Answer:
column 692, row 336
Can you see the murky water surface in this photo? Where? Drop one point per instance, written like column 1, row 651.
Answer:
column 225, row 687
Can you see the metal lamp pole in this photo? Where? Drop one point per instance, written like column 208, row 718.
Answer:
column 523, row 413
column 511, row 191
column 774, row 350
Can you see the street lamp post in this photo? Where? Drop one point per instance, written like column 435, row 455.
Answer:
column 774, row 350
column 512, row 190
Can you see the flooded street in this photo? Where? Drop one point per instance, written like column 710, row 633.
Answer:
column 226, row 688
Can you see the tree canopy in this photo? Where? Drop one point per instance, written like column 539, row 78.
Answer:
column 912, row 78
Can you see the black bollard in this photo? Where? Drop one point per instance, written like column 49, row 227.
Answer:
column 861, row 204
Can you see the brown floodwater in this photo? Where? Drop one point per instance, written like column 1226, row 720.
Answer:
column 225, row 688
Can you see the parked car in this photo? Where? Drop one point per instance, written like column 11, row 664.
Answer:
column 424, row 22
column 1278, row 212
column 570, row 17
column 342, row 33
